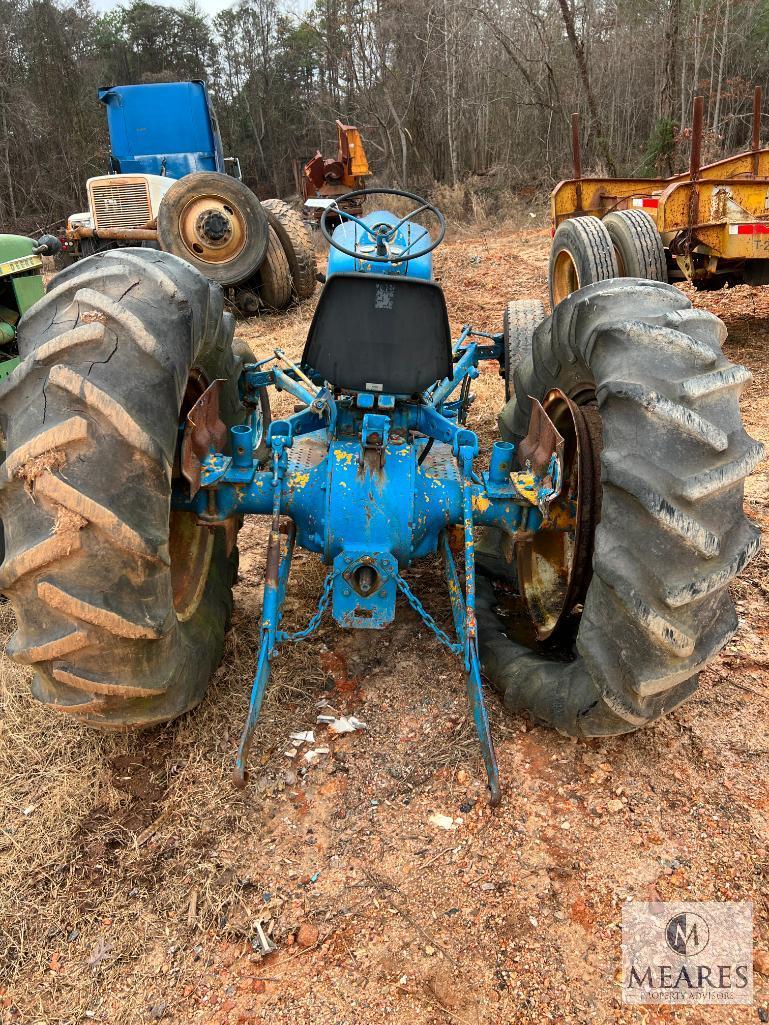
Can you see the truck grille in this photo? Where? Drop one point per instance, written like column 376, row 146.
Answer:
column 120, row 204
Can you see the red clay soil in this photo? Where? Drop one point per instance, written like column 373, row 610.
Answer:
column 137, row 879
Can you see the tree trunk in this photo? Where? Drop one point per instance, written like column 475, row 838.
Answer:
column 450, row 95
column 579, row 56
column 667, row 105
column 11, row 200
column 724, row 47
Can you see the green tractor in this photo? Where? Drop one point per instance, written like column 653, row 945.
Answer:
column 21, row 285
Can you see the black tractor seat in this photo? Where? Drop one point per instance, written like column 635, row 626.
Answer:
column 380, row 333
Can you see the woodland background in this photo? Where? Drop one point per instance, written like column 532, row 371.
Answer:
column 468, row 96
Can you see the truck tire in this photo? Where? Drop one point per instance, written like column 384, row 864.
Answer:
column 672, row 530
column 521, row 319
column 581, row 254
column 637, row 245
column 275, row 285
column 297, row 245
column 121, row 605
column 214, row 222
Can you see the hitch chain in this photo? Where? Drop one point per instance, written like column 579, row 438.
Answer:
column 314, row 623
column 456, row 647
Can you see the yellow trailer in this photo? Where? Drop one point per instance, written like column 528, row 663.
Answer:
column 708, row 225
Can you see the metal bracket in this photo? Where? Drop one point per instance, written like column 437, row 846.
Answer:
column 204, row 433
column 542, row 440
column 376, row 431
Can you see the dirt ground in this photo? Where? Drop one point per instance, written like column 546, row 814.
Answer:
column 135, row 878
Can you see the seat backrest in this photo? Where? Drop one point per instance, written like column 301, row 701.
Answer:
column 380, row 333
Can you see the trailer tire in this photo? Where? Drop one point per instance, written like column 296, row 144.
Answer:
column 121, row 605
column 521, row 319
column 275, row 285
column 297, row 245
column 581, row 254
column 672, row 530
column 215, row 223
column 637, row 245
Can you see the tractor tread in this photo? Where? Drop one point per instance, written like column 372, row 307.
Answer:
column 49, row 486
column 92, row 685
column 664, row 339
column 521, row 319
column 675, row 414
column 46, row 443
column 705, row 385
column 729, row 564
column 92, row 422
column 275, row 282
column 96, row 615
column 85, row 334
column 297, row 244
column 719, row 478
column 101, row 402
column 38, row 556
column 672, row 533
column 97, row 305
column 634, row 481
column 28, row 654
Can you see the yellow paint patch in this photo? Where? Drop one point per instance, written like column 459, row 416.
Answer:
column 481, row 503
column 526, row 486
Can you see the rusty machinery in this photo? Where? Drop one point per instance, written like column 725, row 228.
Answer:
column 611, row 505
column 712, row 221
column 325, row 179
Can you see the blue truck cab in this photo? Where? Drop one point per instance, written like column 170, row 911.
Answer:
column 166, row 128
column 159, row 132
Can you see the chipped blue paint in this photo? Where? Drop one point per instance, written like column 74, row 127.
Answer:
column 372, row 483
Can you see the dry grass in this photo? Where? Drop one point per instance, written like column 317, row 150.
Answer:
column 133, row 873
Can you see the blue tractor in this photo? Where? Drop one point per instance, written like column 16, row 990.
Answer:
column 610, row 507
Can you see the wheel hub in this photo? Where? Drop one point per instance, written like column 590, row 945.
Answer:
column 211, row 230
column 213, row 227
column 555, row 563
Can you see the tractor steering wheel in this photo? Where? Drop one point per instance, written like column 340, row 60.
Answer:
column 383, row 233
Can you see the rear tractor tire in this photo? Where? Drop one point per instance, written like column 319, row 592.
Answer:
column 297, row 245
column 637, row 245
column 121, row 605
column 648, row 550
column 581, row 254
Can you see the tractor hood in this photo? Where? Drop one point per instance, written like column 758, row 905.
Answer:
column 17, row 255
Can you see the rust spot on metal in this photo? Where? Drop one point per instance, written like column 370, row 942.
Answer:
column 536, row 449
column 555, row 563
column 204, row 432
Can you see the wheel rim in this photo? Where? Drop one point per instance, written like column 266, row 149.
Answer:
column 212, row 229
column 190, row 545
column 555, row 564
column 565, row 276
column 257, row 424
